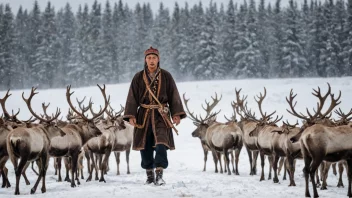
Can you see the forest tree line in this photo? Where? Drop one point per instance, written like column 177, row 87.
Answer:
column 98, row 43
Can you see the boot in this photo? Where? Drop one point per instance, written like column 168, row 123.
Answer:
column 150, row 177
column 159, row 177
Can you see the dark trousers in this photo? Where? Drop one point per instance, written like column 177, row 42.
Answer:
column 148, row 159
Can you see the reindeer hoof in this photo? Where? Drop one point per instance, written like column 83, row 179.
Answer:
column 237, row 173
column 82, row 177
column 102, row 180
column 323, row 188
column 118, row 173
column 73, row 185
column 340, row 186
column 43, row 190
column 28, row 183
column 68, row 179
column 261, row 179
column 276, row 180
column 17, row 192
column 32, row 191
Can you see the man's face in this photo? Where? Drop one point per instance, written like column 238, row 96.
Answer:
column 152, row 62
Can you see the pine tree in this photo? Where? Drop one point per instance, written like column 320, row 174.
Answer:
column 46, row 60
column 9, row 68
column 230, row 37
column 348, row 41
column 66, row 36
column 21, row 49
column 34, row 40
column 294, row 62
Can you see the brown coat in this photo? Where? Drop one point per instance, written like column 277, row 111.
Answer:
column 167, row 93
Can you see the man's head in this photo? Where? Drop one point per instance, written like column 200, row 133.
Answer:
column 152, row 59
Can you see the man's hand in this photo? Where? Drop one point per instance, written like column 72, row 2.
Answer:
column 176, row 120
column 133, row 121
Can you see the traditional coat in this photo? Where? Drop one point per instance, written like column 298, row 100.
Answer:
column 167, row 94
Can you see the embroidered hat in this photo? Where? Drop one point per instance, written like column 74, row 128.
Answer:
column 151, row 50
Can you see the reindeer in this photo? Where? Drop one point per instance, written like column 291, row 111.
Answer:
column 32, row 144
column 76, row 135
column 321, row 140
column 117, row 137
column 247, row 124
column 218, row 137
column 7, row 124
column 268, row 142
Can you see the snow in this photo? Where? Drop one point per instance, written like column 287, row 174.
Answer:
column 184, row 176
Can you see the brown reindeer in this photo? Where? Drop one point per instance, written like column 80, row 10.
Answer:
column 218, row 137
column 76, row 135
column 116, row 137
column 31, row 144
column 247, row 124
column 267, row 141
column 321, row 140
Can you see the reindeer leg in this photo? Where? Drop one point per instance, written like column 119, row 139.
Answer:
column 67, row 161
column 225, row 167
column 249, row 152
column 215, row 158
column 285, row 166
column 91, row 157
column 233, row 162
column 334, row 169
column 33, row 169
column 74, row 160
column 3, row 171
column 98, row 158
column 313, row 167
column 220, row 163
column 55, row 165
column 275, row 161
column 237, row 155
column 41, row 167
column 349, row 173
column 306, row 169
column 281, row 164
column 88, row 161
column 254, row 163
column 117, row 158
column 270, row 158
column 262, row 160
column 291, row 169
column 340, row 183
column 325, row 176
column 24, row 173
column 227, row 160
column 58, row 168
column 104, row 165
column 128, row 159
column 45, row 168
column 205, row 151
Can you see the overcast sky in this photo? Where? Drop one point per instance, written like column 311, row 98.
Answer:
column 28, row 4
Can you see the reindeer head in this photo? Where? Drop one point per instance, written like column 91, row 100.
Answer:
column 318, row 117
column 203, row 124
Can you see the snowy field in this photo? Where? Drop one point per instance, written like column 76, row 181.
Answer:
column 184, row 177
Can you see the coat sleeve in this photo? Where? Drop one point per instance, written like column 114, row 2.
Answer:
column 132, row 101
column 175, row 103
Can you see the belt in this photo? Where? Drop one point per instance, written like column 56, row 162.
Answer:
column 152, row 106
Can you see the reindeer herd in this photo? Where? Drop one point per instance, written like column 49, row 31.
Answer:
column 319, row 141
column 95, row 138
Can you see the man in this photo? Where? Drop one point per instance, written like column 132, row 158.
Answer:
column 152, row 98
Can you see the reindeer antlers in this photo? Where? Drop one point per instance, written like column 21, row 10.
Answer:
column 208, row 109
column 68, row 97
column 6, row 114
column 320, row 104
column 28, row 102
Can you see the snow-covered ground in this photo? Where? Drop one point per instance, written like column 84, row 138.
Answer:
column 184, row 175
